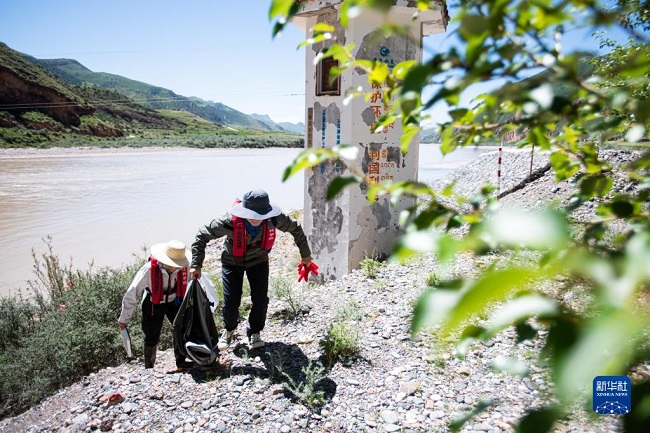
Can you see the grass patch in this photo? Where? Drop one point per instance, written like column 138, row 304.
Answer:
column 370, row 266
column 290, row 294
column 342, row 342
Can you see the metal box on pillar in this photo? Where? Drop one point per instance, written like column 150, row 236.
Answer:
column 348, row 228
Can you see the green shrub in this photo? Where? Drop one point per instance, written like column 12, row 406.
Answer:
column 350, row 311
column 68, row 330
column 16, row 319
column 433, row 280
column 285, row 290
column 342, row 343
column 306, row 391
column 370, row 266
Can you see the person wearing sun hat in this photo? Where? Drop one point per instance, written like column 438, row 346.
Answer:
column 249, row 228
column 160, row 285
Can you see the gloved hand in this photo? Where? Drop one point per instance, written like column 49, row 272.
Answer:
column 304, row 270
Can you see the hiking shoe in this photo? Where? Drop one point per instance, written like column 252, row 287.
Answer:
column 225, row 339
column 256, row 341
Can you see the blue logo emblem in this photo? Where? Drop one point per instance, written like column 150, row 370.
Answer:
column 612, row 395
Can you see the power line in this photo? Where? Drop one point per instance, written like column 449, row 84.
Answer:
column 188, row 99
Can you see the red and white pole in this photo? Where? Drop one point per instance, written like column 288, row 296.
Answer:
column 499, row 171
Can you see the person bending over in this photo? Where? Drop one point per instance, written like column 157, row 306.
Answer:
column 160, row 284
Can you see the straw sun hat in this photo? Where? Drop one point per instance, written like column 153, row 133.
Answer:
column 172, row 253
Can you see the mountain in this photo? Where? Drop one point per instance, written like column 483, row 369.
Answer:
column 24, row 85
column 429, row 135
column 266, row 120
column 34, row 99
column 61, row 103
column 154, row 97
column 290, row 128
column 294, row 128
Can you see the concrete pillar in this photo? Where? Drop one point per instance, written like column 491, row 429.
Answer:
column 345, row 230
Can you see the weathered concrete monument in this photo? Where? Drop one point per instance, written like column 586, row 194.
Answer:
column 345, row 230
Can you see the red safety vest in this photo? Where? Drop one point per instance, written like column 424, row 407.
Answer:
column 239, row 235
column 157, row 291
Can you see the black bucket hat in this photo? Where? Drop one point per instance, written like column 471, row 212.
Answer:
column 256, row 205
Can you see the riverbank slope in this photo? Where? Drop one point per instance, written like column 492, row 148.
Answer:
column 398, row 384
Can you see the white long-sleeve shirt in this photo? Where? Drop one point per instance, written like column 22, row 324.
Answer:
column 141, row 284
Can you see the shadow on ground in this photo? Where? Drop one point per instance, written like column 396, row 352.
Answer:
column 304, row 380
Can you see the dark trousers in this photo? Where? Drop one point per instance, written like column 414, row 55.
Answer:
column 152, row 322
column 233, row 281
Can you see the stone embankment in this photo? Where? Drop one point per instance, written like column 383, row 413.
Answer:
column 399, row 383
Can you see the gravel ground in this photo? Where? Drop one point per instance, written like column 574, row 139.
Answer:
column 397, row 384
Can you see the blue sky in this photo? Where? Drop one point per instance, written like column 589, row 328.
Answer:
column 213, row 49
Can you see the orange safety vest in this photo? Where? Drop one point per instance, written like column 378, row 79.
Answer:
column 239, row 235
column 157, row 291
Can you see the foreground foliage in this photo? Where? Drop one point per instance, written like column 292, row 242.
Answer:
column 506, row 41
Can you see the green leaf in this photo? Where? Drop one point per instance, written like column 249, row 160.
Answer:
column 525, row 332
column 322, row 28
column 539, row 420
column 536, row 230
column 475, row 49
column 622, row 208
column 416, row 78
column 458, row 422
column 447, row 248
column 596, row 186
column 472, row 26
column 280, row 8
column 539, row 138
column 562, row 166
column 402, row 69
column 421, row 241
column 638, row 420
column 384, row 121
column 433, row 307
column 491, row 288
column 338, row 184
column 381, row 5
column 605, row 347
column 510, row 365
column 283, row 10
column 449, row 142
column 472, row 331
column 458, row 113
column 311, row 157
column 409, row 133
column 521, row 309
column 379, row 73
column 315, row 40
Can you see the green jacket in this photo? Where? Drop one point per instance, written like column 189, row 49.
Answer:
column 254, row 254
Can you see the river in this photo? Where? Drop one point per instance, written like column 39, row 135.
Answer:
column 103, row 206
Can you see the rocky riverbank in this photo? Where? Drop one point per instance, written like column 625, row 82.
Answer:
column 398, row 384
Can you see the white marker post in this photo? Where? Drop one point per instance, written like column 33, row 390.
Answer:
column 499, row 171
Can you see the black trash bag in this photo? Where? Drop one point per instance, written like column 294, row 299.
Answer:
column 195, row 334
